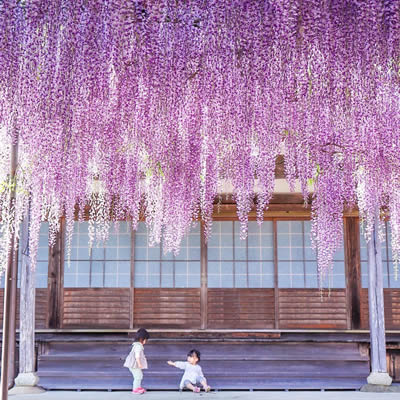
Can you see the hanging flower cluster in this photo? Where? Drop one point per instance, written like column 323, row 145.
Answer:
column 134, row 107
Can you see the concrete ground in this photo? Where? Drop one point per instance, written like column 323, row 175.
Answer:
column 231, row 395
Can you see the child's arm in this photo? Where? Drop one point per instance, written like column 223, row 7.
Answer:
column 137, row 357
column 171, row 363
column 201, row 372
column 177, row 364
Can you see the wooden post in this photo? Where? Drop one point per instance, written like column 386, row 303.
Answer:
column 203, row 281
column 353, row 271
column 13, row 321
column 27, row 306
column 54, row 281
column 132, row 284
column 27, row 380
column 8, row 335
column 276, row 282
column 379, row 375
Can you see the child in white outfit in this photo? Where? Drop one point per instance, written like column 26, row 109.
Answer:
column 136, row 360
column 193, row 375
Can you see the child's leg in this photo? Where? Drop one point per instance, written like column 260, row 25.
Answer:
column 191, row 387
column 137, row 377
column 203, row 382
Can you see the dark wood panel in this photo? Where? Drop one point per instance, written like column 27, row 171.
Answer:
column 168, row 308
column 41, row 308
column 392, row 308
column 241, row 308
column 96, row 308
column 307, row 308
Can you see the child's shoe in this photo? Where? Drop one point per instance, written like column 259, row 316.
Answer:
column 196, row 389
column 207, row 389
column 144, row 390
column 138, row 391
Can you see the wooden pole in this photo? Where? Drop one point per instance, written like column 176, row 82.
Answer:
column 379, row 375
column 353, row 271
column 13, row 321
column 8, row 337
column 203, row 280
column 27, row 377
column 54, row 281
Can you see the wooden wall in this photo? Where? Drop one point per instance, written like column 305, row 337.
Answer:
column 241, row 308
column 392, row 308
column 167, row 308
column 96, row 308
column 206, row 308
column 310, row 308
column 41, row 308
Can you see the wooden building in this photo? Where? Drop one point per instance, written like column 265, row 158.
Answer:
column 252, row 307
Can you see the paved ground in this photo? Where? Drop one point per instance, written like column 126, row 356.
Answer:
column 258, row 395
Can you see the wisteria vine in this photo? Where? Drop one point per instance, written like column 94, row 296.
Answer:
column 138, row 108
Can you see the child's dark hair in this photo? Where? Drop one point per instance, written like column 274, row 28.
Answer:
column 194, row 352
column 141, row 335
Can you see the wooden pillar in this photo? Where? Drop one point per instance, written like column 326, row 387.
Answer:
column 379, row 375
column 276, row 281
column 54, row 281
column 9, row 301
column 203, row 280
column 13, row 322
column 132, row 284
column 27, row 379
column 353, row 271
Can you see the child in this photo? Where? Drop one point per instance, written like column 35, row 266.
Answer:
column 136, row 360
column 193, row 374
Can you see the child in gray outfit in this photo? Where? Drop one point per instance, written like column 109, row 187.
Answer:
column 193, row 374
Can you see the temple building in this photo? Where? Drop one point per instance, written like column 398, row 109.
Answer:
column 252, row 307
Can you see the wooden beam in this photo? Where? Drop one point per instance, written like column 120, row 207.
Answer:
column 288, row 210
